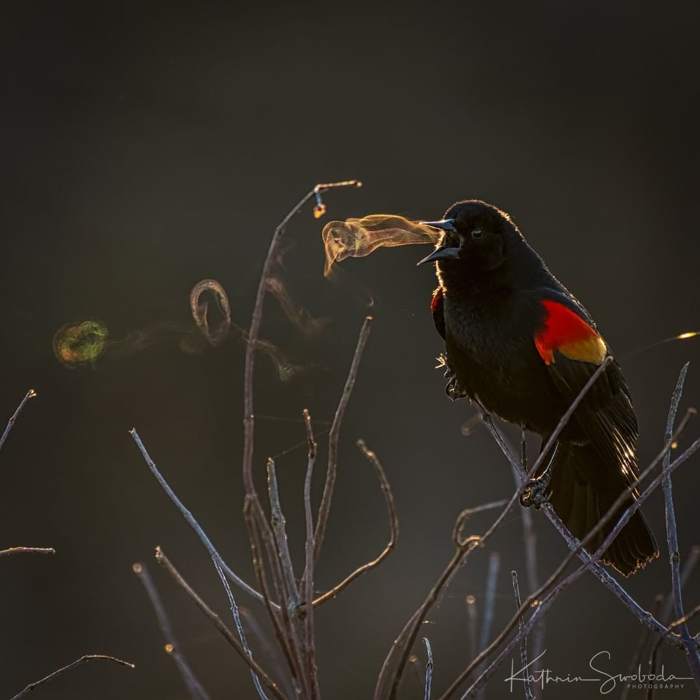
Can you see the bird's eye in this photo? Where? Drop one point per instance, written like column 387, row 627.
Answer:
column 477, row 233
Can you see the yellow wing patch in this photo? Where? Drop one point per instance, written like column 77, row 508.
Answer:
column 592, row 349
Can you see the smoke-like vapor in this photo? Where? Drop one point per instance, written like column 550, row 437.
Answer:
column 297, row 315
column 356, row 238
column 85, row 342
column 200, row 310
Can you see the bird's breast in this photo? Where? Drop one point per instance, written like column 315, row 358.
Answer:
column 490, row 347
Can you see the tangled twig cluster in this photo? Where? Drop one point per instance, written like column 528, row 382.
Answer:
column 289, row 596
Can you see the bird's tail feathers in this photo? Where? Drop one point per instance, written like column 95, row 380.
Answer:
column 581, row 501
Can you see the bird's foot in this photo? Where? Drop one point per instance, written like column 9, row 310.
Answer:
column 537, row 491
column 453, row 390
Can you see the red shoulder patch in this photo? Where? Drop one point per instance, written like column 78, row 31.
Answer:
column 566, row 332
column 436, row 299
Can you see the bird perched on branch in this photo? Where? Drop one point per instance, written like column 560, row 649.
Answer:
column 522, row 346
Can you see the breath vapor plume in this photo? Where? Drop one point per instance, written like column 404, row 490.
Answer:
column 83, row 343
column 357, row 238
column 200, row 310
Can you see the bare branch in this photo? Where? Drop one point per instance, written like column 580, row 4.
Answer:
column 13, row 418
column 672, row 534
column 222, row 569
column 550, row 589
column 530, row 542
column 682, row 621
column 78, row 662
column 428, row 669
column 279, row 528
column 489, row 598
column 573, row 544
column 191, row 520
column 551, row 582
column 489, row 601
column 219, row 624
column 408, row 634
column 256, row 320
column 529, row 694
column 467, row 513
column 279, row 615
column 393, row 529
column 643, row 643
column 334, row 437
column 689, row 565
column 309, row 547
column 195, row 688
column 470, row 602
column 26, row 550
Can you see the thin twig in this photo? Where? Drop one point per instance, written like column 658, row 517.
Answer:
column 472, row 617
column 416, row 666
column 279, row 528
column 286, row 616
column 428, row 669
column 279, row 615
column 530, row 542
column 529, row 694
column 653, row 655
column 685, row 619
column 309, row 547
column 172, row 647
column 222, row 569
column 393, row 529
column 191, row 520
column 408, row 634
column 489, row 600
column 29, row 395
column 672, row 534
column 689, row 565
column 643, row 643
column 219, row 624
column 78, row 662
column 334, row 437
column 467, row 513
column 26, row 550
column 268, row 650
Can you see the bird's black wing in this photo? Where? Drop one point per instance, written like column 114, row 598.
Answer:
column 597, row 459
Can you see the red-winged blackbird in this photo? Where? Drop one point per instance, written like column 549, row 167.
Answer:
column 521, row 345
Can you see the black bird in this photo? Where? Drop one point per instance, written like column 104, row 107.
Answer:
column 522, row 346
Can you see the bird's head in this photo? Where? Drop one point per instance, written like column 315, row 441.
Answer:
column 477, row 237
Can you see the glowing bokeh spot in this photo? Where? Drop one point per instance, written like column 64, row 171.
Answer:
column 80, row 343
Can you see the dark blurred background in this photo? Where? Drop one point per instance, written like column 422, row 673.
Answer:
column 146, row 146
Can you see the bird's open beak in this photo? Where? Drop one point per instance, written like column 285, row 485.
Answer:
column 443, row 224
column 443, row 253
